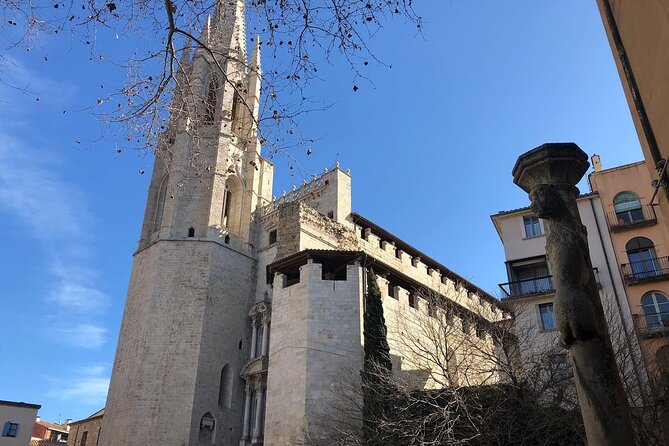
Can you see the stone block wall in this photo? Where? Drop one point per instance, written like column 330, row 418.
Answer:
column 316, row 340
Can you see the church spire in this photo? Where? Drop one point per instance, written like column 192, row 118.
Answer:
column 225, row 30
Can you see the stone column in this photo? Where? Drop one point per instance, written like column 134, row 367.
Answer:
column 254, row 335
column 259, row 409
column 247, row 413
column 549, row 174
column 265, row 335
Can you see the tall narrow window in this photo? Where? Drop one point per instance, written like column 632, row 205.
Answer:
column 547, row 316
column 642, row 257
column 225, row 387
column 84, row 439
column 532, row 226
column 236, row 99
column 227, row 202
column 212, row 98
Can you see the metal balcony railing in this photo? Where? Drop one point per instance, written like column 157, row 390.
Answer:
column 620, row 221
column 537, row 285
column 646, row 270
column 650, row 325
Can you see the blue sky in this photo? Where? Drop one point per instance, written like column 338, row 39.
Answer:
column 430, row 144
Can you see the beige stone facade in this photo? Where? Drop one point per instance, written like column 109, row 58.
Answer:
column 86, row 432
column 244, row 310
column 16, row 421
column 529, row 289
column 640, row 238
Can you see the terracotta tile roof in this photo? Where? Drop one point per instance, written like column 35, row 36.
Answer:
column 52, row 426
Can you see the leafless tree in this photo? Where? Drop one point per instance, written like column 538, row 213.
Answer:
column 466, row 381
column 297, row 35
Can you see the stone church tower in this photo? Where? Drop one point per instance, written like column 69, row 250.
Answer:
column 185, row 330
column 243, row 311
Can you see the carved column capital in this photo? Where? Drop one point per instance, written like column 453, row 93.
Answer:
column 559, row 164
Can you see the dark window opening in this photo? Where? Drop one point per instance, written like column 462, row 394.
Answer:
column 381, row 242
column 227, row 200
column 413, row 301
column 226, row 240
column 236, row 100
column 210, row 105
column 240, row 344
column 191, row 232
column 291, row 278
column 272, row 237
column 392, row 291
column 334, row 271
column 480, row 331
column 398, row 253
column 84, row 439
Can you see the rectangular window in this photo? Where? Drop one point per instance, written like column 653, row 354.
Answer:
column 392, row 291
column 413, row 301
column 10, row 429
column 84, row 439
column 547, row 316
column 532, row 226
column 272, row 237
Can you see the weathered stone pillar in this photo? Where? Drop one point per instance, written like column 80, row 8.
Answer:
column 265, row 335
column 549, row 174
column 259, row 410
column 247, row 413
column 254, row 336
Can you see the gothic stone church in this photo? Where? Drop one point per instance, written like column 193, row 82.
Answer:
column 243, row 310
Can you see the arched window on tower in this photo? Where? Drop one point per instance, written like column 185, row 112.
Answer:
column 642, row 257
column 212, row 99
column 231, row 209
column 235, row 122
column 225, row 387
column 227, row 203
column 160, row 204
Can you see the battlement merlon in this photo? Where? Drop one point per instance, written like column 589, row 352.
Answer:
column 329, row 194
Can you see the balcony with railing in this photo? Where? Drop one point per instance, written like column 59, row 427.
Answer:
column 633, row 218
column 643, row 271
column 652, row 325
column 533, row 287
column 528, row 287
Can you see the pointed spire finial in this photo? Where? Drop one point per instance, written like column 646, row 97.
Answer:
column 255, row 56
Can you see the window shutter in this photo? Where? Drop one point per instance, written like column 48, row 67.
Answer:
column 5, row 429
